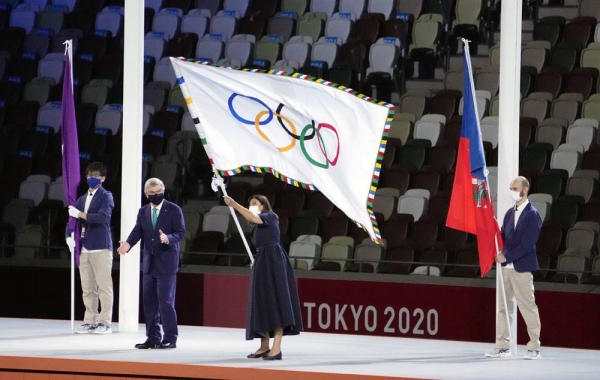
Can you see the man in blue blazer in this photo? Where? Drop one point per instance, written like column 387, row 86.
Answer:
column 96, row 257
column 520, row 232
column 160, row 226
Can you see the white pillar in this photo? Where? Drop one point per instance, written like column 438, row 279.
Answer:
column 510, row 90
column 131, row 173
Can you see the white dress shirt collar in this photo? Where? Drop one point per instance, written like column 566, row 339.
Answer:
column 519, row 210
column 157, row 207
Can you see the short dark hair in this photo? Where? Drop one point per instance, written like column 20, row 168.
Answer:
column 96, row 167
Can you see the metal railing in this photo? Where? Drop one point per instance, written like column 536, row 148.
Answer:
column 237, row 259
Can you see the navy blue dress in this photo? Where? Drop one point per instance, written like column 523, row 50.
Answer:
column 273, row 297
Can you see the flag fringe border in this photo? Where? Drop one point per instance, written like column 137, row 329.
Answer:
column 280, row 176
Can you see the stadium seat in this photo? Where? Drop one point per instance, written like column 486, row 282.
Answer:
column 168, row 21
column 225, row 24
column 384, row 7
column 398, row 260
column 334, row 257
column 210, row 48
column 282, row 24
column 354, row 7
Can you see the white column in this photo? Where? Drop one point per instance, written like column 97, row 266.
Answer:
column 131, row 173
column 510, row 92
column 510, row 89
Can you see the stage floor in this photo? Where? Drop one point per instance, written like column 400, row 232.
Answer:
column 219, row 353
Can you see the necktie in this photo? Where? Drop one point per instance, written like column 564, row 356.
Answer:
column 154, row 216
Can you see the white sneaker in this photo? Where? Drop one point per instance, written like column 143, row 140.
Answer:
column 532, row 355
column 86, row 328
column 499, row 353
column 102, row 329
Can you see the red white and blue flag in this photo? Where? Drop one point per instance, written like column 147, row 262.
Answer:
column 471, row 207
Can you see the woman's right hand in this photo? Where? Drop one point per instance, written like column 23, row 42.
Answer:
column 229, row 201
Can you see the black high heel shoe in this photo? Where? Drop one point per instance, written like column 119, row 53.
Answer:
column 279, row 356
column 257, row 356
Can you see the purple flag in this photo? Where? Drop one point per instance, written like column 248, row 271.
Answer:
column 70, row 159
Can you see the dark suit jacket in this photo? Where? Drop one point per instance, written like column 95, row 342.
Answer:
column 97, row 224
column 519, row 242
column 157, row 257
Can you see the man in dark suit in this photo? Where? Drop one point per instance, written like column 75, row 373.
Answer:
column 160, row 226
column 520, row 232
column 93, row 212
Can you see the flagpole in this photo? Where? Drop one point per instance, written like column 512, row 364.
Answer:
column 217, row 179
column 499, row 278
column 499, row 282
column 73, row 292
column 68, row 53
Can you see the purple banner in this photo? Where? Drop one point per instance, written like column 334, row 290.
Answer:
column 70, row 159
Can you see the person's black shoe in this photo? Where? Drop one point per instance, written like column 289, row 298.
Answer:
column 279, row 356
column 257, row 356
column 146, row 345
column 166, row 345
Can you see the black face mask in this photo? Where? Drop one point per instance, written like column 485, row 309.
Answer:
column 156, row 198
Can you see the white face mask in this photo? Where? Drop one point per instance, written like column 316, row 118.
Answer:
column 516, row 196
column 254, row 209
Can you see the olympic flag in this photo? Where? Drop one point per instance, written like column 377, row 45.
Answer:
column 309, row 133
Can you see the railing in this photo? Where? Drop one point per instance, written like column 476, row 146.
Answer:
column 53, row 252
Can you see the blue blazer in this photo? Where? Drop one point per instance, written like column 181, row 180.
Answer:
column 157, row 257
column 97, row 224
column 519, row 242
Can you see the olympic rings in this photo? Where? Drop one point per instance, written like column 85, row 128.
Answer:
column 291, row 130
column 278, row 112
column 303, row 147
column 279, row 117
column 337, row 152
column 238, row 117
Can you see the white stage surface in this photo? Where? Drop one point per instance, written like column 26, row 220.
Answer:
column 46, row 349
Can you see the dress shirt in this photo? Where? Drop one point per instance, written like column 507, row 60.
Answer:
column 152, row 207
column 518, row 212
column 88, row 200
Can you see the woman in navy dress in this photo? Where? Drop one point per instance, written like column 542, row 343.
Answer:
column 273, row 304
